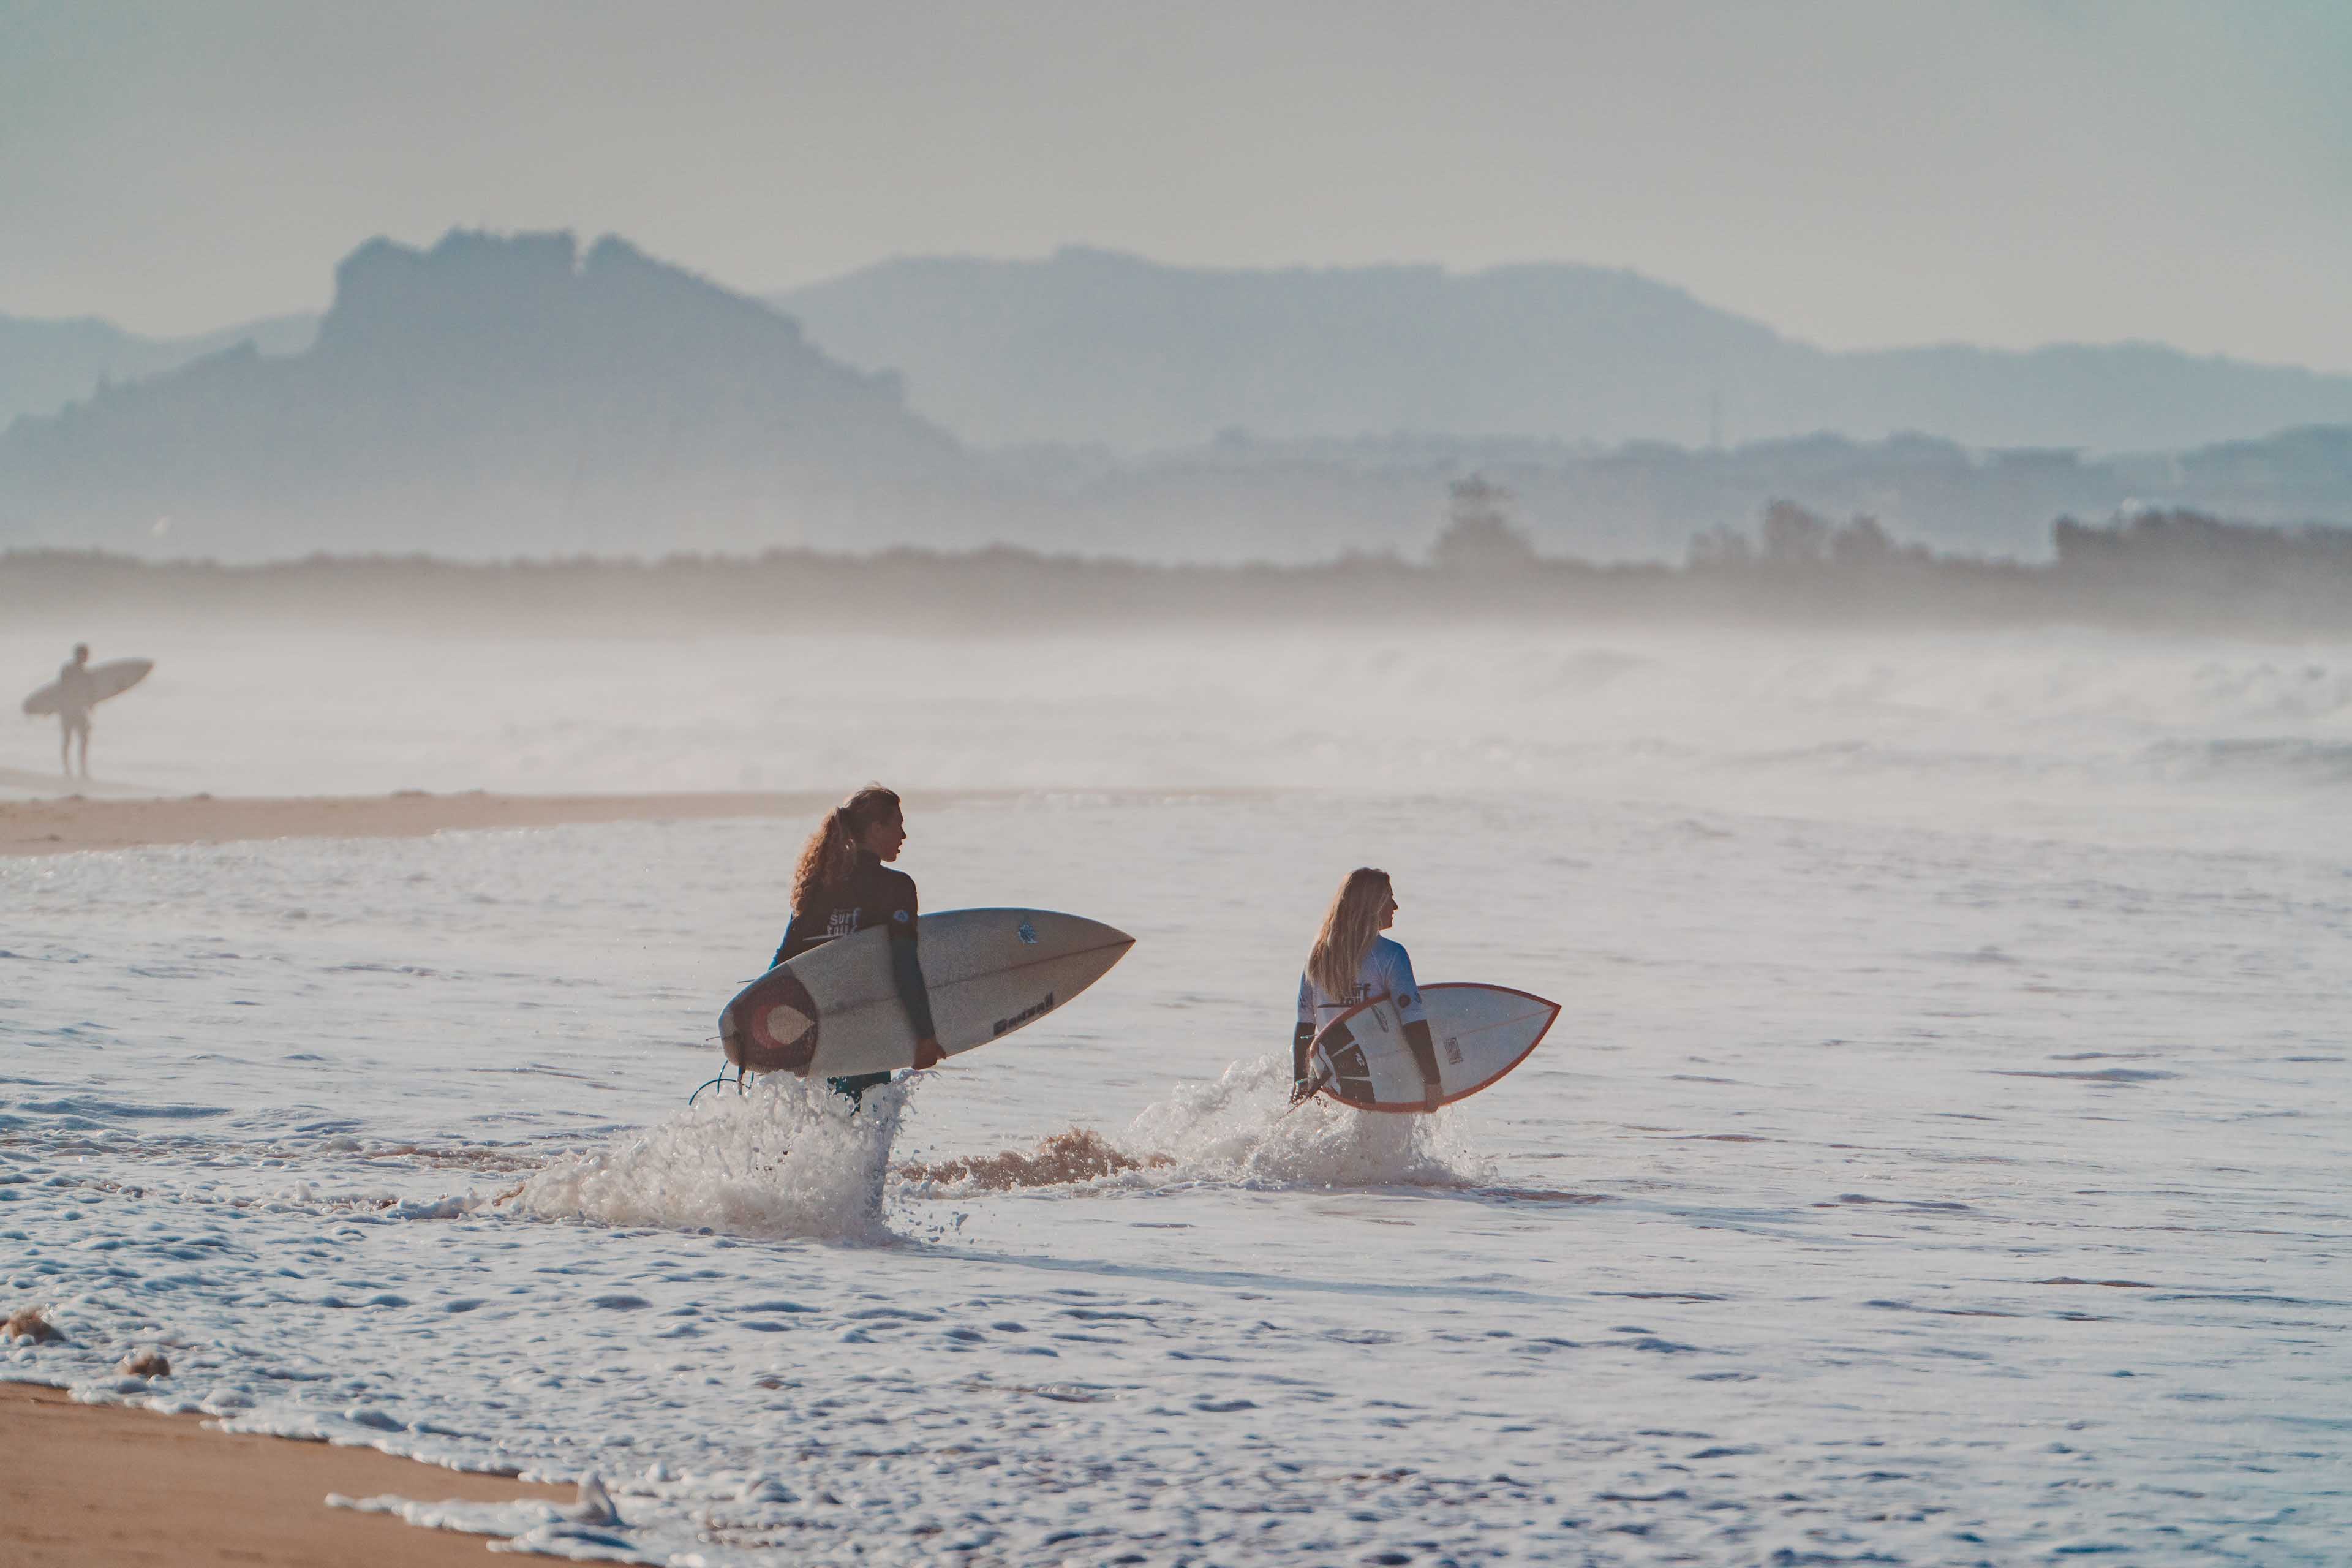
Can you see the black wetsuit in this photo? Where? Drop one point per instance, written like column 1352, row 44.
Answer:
column 875, row 895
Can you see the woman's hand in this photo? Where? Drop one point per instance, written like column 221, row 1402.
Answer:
column 927, row 1053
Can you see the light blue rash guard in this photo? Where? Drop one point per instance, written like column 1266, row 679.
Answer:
column 1386, row 974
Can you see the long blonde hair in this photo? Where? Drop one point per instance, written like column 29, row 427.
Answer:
column 831, row 852
column 1349, row 927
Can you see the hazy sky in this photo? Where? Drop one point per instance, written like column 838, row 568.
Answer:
column 2001, row 171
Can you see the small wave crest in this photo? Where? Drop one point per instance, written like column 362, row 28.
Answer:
column 789, row 1158
column 2287, row 757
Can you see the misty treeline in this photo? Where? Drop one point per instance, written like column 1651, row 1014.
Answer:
column 1795, row 568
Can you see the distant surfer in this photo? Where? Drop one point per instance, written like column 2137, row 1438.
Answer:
column 77, row 695
column 1352, row 962
column 842, row 885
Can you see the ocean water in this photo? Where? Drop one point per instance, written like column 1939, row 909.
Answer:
column 1939, row 1159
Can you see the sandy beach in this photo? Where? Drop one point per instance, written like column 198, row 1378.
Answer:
column 75, row 822
column 105, row 1487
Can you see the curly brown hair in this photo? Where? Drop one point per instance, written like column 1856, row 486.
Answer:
column 831, row 852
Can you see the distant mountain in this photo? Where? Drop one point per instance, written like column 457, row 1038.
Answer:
column 43, row 366
column 489, row 395
column 1094, row 346
column 497, row 396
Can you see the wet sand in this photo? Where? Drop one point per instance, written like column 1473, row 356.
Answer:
column 104, row 1487
column 56, row 825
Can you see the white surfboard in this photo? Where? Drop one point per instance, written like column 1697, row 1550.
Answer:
column 112, row 679
column 1481, row 1032
column 834, row 1010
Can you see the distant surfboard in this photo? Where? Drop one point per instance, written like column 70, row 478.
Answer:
column 1481, row 1033
column 112, row 679
column 834, row 1010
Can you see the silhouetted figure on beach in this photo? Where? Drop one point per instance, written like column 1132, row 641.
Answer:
column 77, row 695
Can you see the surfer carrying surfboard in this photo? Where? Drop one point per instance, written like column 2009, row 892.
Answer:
column 842, row 885
column 77, row 695
column 1351, row 964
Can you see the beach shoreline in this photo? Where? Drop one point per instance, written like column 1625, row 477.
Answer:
column 110, row 1486
column 61, row 825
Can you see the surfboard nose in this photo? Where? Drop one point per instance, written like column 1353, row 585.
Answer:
column 1076, row 933
column 1097, row 946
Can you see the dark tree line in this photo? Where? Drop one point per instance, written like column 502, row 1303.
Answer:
column 1797, row 568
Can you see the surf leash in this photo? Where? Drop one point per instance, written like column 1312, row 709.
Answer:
column 741, row 1080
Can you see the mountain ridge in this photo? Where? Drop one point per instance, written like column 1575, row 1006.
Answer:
column 522, row 395
column 46, row 364
column 567, row 399
column 1141, row 356
column 1089, row 345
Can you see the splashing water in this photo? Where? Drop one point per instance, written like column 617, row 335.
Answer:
column 789, row 1158
column 1240, row 1129
column 793, row 1159
column 1078, row 1154
column 1232, row 1130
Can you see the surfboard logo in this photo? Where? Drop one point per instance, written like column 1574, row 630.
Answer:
column 773, row 1026
column 1035, row 1010
column 1027, row 933
column 1452, row 1051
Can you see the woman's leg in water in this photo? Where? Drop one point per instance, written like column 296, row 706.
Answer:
column 854, row 1087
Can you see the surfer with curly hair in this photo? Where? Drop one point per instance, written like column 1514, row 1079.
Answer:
column 1352, row 962
column 843, row 885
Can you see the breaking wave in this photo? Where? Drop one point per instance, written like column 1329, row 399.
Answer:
column 2284, row 757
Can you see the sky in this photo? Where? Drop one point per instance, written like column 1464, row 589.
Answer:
column 1866, row 174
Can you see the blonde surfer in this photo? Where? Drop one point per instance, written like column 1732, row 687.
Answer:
column 1351, row 962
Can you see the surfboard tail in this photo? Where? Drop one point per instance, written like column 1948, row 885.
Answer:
column 1481, row 1033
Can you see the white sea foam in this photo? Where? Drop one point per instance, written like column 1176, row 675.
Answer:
column 786, row 1158
column 1240, row 1127
column 1237, row 1129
